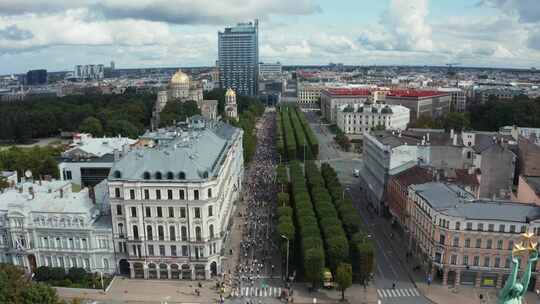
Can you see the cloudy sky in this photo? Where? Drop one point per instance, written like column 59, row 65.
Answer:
column 57, row 34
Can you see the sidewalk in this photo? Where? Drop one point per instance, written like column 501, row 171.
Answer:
column 356, row 294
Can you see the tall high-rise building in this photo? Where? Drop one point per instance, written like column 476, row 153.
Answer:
column 238, row 58
column 36, row 77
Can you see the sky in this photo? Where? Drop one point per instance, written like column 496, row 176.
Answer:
column 59, row 34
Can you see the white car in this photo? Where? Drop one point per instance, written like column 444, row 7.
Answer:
column 356, row 173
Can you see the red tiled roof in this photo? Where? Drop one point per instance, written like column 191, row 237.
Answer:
column 413, row 176
column 415, row 93
column 348, row 91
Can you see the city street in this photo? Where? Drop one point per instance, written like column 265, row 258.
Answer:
column 389, row 269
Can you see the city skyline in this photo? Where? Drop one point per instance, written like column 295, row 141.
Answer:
column 56, row 35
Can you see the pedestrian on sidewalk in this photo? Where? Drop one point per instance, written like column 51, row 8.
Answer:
column 393, row 285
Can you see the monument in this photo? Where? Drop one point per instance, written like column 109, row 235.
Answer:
column 513, row 290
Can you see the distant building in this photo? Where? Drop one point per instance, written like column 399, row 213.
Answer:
column 309, row 95
column 458, row 101
column 45, row 223
column 90, row 71
column 482, row 93
column 88, row 160
column 332, row 98
column 421, row 103
column 270, row 70
column 172, row 201
column 231, row 110
column 466, row 241
column 361, row 118
column 36, row 77
column 238, row 58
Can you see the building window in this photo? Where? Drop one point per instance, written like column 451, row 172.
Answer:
column 158, row 194
column 182, row 195
column 148, row 211
column 510, row 245
column 181, row 175
column 158, row 175
column 478, row 243
column 116, row 192
column 489, row 244
column 118, row 209
column 467, row 243
column 67, row 175
column 146, row 194
column 135, row 232
column 183, row 231
column 105, row 264
column 182, row 212
column 196, row 195
column 132, row 194
column 169, row 194
column 162, row 250
column 210, row 211
column 211, row 229
column 500, row 244
column 185, row 251
column 512, row 228
column 476, row 261
column 523, row 229
column 469, row 226
column 197, row 212
column 121, row 229
column 458, row 224
column 173, row 250
column 491, row 227
column 159, row 212
column 456, row 241
column 453, row 259
column 161, row 234
column 133, row 211
column 507, row 263
column 198, row 234
column 486, row 261
column 480, row 227
column 171, row 212
column 172, row 233
column 150, row 250
column 149, row 235
column 210, row 193
column 170, row 175
column 497, row 262
column 465, row 260
column 501, row 228
column 146, row 175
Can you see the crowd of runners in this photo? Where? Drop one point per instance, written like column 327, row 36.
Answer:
column 258, row 244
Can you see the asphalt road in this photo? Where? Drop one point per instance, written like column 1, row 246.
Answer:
column 389, row 269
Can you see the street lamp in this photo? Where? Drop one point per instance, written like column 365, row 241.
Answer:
column 286, row 266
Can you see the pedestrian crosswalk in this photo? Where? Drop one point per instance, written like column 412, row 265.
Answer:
column 273, row 292
column 396, row 293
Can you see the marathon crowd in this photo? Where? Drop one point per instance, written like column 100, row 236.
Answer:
column 258, row 244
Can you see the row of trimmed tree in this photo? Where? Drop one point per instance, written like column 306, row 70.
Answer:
column 295, row 138
column 361, row 247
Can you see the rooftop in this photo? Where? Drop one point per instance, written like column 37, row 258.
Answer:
column 98, row 147
column 348, row 92
column 452, row 200
column 534, row 183
column 187, row 152
column 415, row 93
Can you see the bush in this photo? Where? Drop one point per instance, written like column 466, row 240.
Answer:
column 77, row 275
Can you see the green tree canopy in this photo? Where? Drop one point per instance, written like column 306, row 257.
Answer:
column 344, row 278
column 91, row 125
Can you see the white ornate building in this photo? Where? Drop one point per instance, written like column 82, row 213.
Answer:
column 46, row 224
column 172, row 199
column 363, row 117
column 231, row 109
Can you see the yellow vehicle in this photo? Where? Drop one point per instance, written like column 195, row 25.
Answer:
column 328, row 279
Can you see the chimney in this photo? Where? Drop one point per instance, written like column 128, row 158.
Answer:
column 427, row 137
column 31, row 192
column 454, row 141
column 116, row 155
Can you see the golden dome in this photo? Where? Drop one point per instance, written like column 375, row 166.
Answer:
column 230, row 93
column 179, row 78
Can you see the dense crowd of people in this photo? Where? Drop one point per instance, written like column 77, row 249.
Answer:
column 258, row 243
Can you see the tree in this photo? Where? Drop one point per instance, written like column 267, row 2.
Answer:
column 123, row 128
column 313, row 265
column 39, row 293
column 91, row 125
column 457, row 121
column 344, row 278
